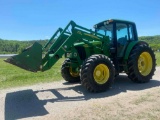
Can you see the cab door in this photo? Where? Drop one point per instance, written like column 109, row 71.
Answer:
column 124, row 34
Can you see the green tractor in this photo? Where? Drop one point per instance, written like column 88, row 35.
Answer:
column 93, row 57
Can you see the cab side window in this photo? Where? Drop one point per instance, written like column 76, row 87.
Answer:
column 122, row 33
column 131, row 34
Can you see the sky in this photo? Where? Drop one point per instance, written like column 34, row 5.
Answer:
column 39, row 19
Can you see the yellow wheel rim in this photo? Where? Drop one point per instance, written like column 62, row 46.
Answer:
column 73, row 74
column 145, row 63
column 101, row 74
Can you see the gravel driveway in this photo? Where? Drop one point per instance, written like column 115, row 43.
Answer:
column 63, row 101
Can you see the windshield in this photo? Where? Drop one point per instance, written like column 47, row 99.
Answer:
column 106, row 30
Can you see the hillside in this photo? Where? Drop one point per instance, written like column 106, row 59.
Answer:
column 154, row 41
column 14, row 46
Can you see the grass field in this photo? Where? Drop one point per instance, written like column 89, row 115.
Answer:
column 11, row 76
column 158, row 58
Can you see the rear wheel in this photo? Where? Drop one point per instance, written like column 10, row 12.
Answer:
column 141, row 64
column 68, row 74
column 97, row 73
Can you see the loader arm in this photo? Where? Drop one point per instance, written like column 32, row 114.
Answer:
column 32, row 59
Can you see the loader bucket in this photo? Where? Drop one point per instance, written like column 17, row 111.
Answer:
column 30, row 59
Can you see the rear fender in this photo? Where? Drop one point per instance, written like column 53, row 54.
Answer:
column 130, row 47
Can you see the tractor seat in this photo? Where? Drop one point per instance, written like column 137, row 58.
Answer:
column 122, row 40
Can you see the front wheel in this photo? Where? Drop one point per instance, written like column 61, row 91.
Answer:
column 141, row 64
column 68, row 74
column 97, row 73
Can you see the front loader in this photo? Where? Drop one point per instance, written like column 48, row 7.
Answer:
column 92, row 57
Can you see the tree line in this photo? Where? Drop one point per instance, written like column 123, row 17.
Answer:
column 14, row 46
column 153, row 41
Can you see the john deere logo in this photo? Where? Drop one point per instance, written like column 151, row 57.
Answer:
column 79, row 32
column 93, row 36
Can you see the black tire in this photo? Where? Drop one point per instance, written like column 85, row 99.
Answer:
column 141, row 64
column 89, row 78
column 67, row 74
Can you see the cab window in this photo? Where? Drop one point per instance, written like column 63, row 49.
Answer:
column 106, row 30
column 131, row 33
column 122, row 33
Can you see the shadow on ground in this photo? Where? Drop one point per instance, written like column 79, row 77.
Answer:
column 24, row 104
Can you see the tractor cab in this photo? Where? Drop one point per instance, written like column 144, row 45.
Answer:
column 120, row 33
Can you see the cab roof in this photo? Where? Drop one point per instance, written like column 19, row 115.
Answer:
column 112, row 21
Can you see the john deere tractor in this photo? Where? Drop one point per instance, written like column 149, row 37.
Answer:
column 93, row 57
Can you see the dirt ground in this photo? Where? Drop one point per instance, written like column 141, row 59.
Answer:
column 63, row 101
